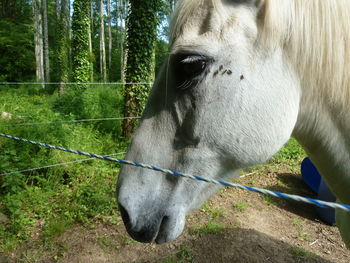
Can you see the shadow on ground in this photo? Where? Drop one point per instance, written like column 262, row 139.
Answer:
column 241, row 245
column 231, row 245
column 292, row 184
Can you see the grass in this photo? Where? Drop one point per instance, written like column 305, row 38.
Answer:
column 241, row 206
column 55, row 227
column 303, row 235
column 209, row 228
column 296, row 222
column 291, row 153
column 48, row 201
column 268, row 200
column 104, row 241
column 183, row 254
column 303, row 254
column 214, row 213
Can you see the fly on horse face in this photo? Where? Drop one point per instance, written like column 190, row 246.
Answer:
column 242, row 77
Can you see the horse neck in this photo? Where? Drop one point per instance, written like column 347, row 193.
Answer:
column 323, row 131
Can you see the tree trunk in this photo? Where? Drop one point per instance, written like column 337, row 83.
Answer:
column 63, row 46
column 110, row 40
column 58, row 9
column 141, row 38
column 69, row 35
column 38, row 41
column 173, row 5
column 102, row 46
column 80, row 41
column 46, row 42
column 90, row 42
column 123, row 53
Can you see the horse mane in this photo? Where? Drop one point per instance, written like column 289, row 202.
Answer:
column 314, row 34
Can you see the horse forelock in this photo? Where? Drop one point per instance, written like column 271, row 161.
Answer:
column 314, row 35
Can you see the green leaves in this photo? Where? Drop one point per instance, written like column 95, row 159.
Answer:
column 16, row 46
column 142, row 35
column 80, row 42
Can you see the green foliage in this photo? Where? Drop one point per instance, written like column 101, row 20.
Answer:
column 303, row 254
column 209, row 228
column 241, row 206
column 61, row 61
column 51, row 199
column 142, row 34
column 183, row 254
column 17, row 35
column 17, row 48
column 55, row 227
column 80, row 43
column 161, row 54
column 94, row 102
column 291, row 152
column 268, row 200
column 214, row 213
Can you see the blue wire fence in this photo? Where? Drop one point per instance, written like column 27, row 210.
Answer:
column 319, row 203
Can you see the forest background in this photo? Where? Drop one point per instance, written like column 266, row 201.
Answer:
column 72, row 72
column 63, row 68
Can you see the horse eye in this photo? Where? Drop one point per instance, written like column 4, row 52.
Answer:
column 192, row 67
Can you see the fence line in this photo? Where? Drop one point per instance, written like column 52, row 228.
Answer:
column 76, row 83
column 58, row 164
column 72, row 121
column 190, row 176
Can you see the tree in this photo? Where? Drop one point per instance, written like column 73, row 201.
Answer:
column 38, row 40
column 103, row 67
column 119, row 16
column 62, row 43
column 46, row 41
column 18, row 62
column 110, row 43
column 90, row 42
column 172, row 4
column 141, row 38
column 80, row 41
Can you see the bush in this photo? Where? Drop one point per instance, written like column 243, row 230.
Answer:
column 79, row 192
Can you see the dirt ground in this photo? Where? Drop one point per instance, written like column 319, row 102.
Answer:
column 234, row 226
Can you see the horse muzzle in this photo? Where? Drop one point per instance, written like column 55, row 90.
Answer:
column 160, row 227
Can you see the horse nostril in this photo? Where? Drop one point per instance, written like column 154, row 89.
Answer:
column 125, row 216
column 141, row 232
column 163, row 223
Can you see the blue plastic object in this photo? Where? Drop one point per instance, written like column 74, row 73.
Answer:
column 314, row 180
column 310, row 175
column 326, row 214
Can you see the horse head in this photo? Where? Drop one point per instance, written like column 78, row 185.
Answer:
column 223, row 102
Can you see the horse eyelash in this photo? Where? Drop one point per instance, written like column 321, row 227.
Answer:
column 185, row 85
column 192, row 59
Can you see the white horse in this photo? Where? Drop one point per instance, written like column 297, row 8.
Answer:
column 242, row 77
